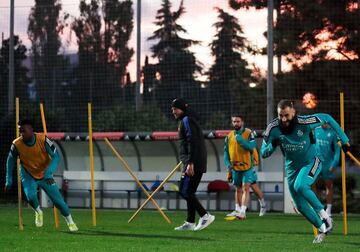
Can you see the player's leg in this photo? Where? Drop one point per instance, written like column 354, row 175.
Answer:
column 302, row 185
column 205, row 218
column 188, row 187
column 303, row 207
column 30, row 189
column 237, row 182
column 248, row 177
column 189, row 224
column 260, row 195
column 245, row 198
column 329, row 195
column 239, row 195
column 329, row 177
column 53, row 192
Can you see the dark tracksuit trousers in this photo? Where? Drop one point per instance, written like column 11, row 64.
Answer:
column 188, row 187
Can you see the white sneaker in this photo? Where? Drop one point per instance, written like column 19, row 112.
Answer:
column 262, row 211
column 72, row 227
column 185, row 226
column 319, row 238
column 204, row 221
column 39, row 219
column 241, row 215
column 329, row 225
column 232, row 214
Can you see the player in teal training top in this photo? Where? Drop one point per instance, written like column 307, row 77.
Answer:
column 294, row 134
column 38, row 161
column 327, row 144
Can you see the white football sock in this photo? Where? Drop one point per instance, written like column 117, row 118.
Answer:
column 69, row 219
column 38, row 210
column 323, row 214
column 237, row 207
column 243, row 209
column 328, row 208
column 262, row 202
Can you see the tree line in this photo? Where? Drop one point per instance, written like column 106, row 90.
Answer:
column 303, row 35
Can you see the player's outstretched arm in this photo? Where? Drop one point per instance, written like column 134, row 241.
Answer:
column 246, row 144
column 267, row 148
column 10, row 164
column 271, row 139
column 337, row 153
column 326, row 118
column 226, row 154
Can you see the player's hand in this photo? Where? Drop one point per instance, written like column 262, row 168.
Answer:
column 345, row 147
column 229, row 176
column 275, row 142
column 190, row 170
column 49, row 181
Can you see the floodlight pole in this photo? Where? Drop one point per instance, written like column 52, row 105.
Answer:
column 270, row 70
column 138, row 101
column 11, row 61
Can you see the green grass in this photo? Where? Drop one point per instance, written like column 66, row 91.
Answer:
column 149, row 232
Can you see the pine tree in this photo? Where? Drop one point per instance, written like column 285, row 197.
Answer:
column 177, row 64
column 43, row 31
column 20, row 78
column 229, row 76
column 103, row 49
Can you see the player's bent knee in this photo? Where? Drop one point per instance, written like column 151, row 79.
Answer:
column 31, row 197
column 301, row 188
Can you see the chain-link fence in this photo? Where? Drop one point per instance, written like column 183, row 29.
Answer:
column 210, row 52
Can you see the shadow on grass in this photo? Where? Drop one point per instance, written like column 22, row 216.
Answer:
column 152, row 236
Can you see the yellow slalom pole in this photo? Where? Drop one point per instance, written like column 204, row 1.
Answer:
column 91, row 153
column 17, row 117
column 343, row 170
column 127, row 167
column 56, row 217
column 315, row 230
column 353, row 158
column 157, row 189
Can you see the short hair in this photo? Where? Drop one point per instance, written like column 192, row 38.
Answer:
column 285, row 103
column 237, row 115
column 25, row 122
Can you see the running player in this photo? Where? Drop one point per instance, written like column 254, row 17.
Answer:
column 294, row 135
column 38, row 161
column 327, row 144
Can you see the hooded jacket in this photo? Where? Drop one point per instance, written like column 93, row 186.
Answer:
column 191, row 142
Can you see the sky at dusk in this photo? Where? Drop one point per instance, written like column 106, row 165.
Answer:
column 198, row 21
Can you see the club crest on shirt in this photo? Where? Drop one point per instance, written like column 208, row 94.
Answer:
column 300, row 133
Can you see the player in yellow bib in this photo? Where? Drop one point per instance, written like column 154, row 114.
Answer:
column 38, row 161
column 239, row 160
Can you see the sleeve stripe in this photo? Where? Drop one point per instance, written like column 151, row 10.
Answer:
column 13, row 150
column 187, row 126
column 271, row 125
column 50, row 144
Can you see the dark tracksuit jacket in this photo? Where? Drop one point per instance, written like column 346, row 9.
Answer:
column 192, row 145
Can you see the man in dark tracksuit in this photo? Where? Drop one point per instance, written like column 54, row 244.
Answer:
column 194, row 157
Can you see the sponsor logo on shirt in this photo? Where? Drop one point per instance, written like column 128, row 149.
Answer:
column 309, row 120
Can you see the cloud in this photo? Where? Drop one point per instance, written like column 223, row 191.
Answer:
column 198, row 21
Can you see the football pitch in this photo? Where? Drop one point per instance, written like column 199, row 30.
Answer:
column 149, row 232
